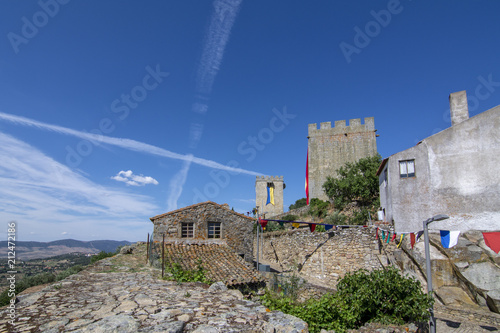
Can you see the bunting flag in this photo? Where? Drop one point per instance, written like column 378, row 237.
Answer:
column 307, row 177
column 412, row 240
column 393, row 237
column 492, row 239
column 418, row 235
column 388, row 234
column 401, row 240
column 376, row 233
column 312, row 226
column 449, row 238
column 383, row 235
column 295, row 225
column 281, row 223
column 328, row 227
column 263, row 223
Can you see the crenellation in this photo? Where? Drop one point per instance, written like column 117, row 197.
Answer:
column 340, row 124
column 355, row 122
column 325, row 125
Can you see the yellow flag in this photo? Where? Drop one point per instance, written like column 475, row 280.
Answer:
column 295, row 225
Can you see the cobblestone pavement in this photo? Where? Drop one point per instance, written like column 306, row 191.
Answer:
column 120, row 294
column 116, row 298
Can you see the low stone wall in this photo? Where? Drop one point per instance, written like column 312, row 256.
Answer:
column 321, row 257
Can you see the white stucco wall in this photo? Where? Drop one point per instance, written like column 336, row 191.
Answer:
column 457, row 174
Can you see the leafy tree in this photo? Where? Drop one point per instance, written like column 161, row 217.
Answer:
column 299, row 203
column 355, row 182
column 290, row 217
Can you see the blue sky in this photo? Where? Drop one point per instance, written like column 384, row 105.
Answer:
column 113, row 112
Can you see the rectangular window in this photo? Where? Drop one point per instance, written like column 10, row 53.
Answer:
column 407, row 168
column 214, row 230
column 187, row 230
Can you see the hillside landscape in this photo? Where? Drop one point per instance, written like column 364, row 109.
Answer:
column 36, row 250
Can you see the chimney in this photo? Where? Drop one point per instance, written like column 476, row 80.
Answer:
column 458, row 107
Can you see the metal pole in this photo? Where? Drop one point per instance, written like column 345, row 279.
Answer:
column 258, row 227
column 432, row 322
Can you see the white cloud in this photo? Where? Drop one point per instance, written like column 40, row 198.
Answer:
column 123, row 143
column 129, row 178
column 46, row 197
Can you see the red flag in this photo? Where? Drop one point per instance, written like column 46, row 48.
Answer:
column 376, row 233
column 263, row 223
column 307, row 177
column 312, row 226
column 393, row 237
column 492, row 239
column 412, row 239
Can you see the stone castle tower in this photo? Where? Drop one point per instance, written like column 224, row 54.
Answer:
column 332, row 147
column 261, row 185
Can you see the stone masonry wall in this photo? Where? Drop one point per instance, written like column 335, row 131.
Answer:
column 236, row 229
column 322, row 257
column 331, row 147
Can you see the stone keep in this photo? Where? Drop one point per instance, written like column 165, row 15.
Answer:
column 261, row 184
column 331, row 147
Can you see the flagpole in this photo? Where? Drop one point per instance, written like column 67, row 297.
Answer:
column 258, row 227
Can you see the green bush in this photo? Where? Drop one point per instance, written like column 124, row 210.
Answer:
column 359, row 217
column 383, row 296
column 102, row 255
column 290, row 217
column 336, row 218
column 177, row 273
column 273, row 226
column 70, row 271
column 318, row 208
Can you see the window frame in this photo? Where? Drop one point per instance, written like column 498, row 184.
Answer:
column 187, row 230
column 404, row 173
column 216, row 234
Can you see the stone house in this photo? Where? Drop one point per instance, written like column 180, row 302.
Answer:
column 453, row 172
column 206, row 223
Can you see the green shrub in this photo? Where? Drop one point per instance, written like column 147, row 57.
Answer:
column 181, row 275
column 273, row 226
column 336, row 218
column 70, row 271
column 318, row 208
column 102, row 255
column 383, row 296
column 290, row 217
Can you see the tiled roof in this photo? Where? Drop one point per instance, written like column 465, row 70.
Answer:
column 196, row 205
column 220, row 262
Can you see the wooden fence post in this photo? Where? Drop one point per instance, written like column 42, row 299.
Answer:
column 147, row 250
column 163, row 256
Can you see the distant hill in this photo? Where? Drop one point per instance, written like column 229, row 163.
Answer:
column 35, row 250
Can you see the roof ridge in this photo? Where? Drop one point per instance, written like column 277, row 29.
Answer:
column 196, row 205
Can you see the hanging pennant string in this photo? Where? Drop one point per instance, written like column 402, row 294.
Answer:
column 401, row 240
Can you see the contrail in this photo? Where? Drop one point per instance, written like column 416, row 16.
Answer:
column 123, row 143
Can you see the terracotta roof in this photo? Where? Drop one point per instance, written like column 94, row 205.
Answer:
column 382, row 165
column 196, row 205
column 220, row 262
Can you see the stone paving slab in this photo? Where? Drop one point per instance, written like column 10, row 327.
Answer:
column 91, row 301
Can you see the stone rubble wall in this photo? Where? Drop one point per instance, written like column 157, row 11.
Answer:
column 321, row 257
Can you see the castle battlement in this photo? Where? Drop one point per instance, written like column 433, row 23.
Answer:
column 269, row 179
column 340, row 127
